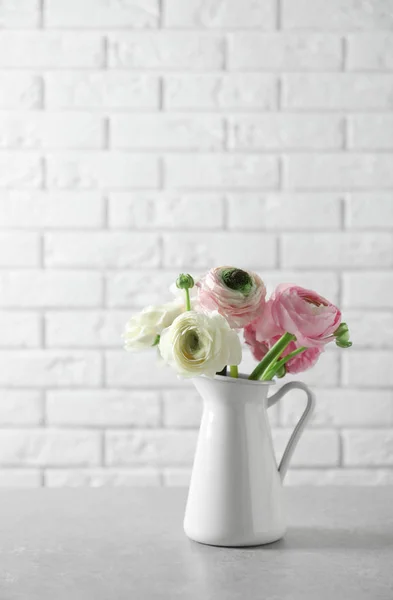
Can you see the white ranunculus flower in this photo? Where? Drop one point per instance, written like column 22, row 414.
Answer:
column 143, row 328
column 200, row 344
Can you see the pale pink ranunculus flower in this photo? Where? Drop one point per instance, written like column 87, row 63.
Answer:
column 305, row 314
column 237, row 295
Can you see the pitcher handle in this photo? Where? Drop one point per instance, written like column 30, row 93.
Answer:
column 297, row 432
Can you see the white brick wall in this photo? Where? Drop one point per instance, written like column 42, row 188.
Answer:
column 138, row 139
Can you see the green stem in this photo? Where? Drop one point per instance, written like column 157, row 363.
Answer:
column 270, row 372
column 188, row 301
column 234, row 371
column 272, row 355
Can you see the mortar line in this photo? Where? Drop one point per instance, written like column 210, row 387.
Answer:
column 43, row 332
column 146, row 388
column 343, row 212
column 340, row 449
column 41, row 13
column 161, row 102
column 106, row 126
column 161, row 173
column 44, row 420
column 176, row 28
column 42, row 91
column 105, row 52
column 279, row 94
column 105, row 212
column 344, row 129
column 161, row 410
column 344, row 53
column 41, row 250
column 161, row 11
column 278, row 15
column 279, row 253
column 340, row 374
column 225, row 51
column 102, row 305
column 102, row 461
column 225, row 213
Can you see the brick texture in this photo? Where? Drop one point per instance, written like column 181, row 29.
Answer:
column 25, row 14
column 20, row 329
column 212, row 172
column 60, row 210
column 96, row 477
column 100, row 90
column 337, row 14
column 41, row 447
column 101, row 13
column 292, row 132
column 229, row 14
column 102, row 408
column 166, row 50
column 21, row 408
column 282, row 51
column 371, row 51
column 166, row 210
column 20, row 91
column 51, row 50
column 240, row 91
column 338, row 91
column 143, row 138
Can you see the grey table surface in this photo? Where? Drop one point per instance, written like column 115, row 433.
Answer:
column 115, row 544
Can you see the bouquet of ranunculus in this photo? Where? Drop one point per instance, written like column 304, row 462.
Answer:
column 198, row 333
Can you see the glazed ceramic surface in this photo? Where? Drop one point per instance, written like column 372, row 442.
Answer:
column 235, row 495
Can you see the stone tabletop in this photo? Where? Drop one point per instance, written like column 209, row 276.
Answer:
column 128, row 544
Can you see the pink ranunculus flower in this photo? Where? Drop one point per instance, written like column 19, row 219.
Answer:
column 237, row 295
column 253, row 336
column 258, row 348
column 301, row 362
column 305, row 314
column 264, row 326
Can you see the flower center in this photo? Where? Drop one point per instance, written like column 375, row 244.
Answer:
column 237, row 279
column 313, row 301
column 191, row 344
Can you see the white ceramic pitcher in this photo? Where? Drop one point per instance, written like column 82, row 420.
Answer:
column 235, row 495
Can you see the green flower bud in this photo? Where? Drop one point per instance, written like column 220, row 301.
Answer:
column 342, row 336
column 237, row 279
column 341, row 344
column 341, row 330
column 184, row 281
